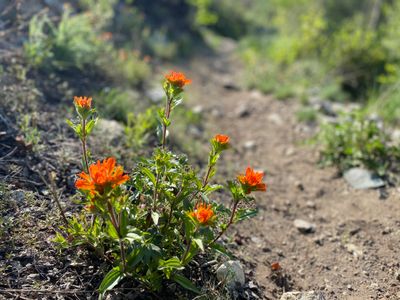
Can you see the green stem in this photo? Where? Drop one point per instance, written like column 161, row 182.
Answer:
column 85, row 158
column 167, row 114
column 117, row 228
column 229, row 223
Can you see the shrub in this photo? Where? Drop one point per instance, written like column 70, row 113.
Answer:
column 71, row 44
column 139, row 128
column 357, row 141
column 151, row 223
column 77, row 42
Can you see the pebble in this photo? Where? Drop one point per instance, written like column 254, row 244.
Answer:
column 242, row 111
column 311, row 204
column 275, row 118
column 231, row 273
column 353, row 249
column 33, row 276
column 310, row 295
column 18, row 195
column 304, row 226
column 250, row 145
column 299, row 185
column 360, row 178
column 156, row 95
column 198, row 109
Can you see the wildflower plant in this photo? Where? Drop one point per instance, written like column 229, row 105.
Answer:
column 151, row 223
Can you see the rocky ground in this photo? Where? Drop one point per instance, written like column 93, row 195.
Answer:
column 340, row 242
column 330, row 240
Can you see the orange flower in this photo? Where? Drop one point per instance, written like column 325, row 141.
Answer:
column 177, row 79
column 101, row 175
column 221, row 139
column 275, row 266
column 83, row 102
column 203, row 213
column 252, row 181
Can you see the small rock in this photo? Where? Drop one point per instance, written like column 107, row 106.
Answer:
column 256, row 240
column 353, row 249
column 256, row 94
column 18, row 195
column 275, row 118
column 299, row 185
column 231, row 273
column 156, row 95
column 109, row 130
column 33, row 277
column 319, row 240
column 360, row 178
column 216, row 112
column 326, row 108
column 289, row 151
column 304, row 226
column 249, row 145
column 242, row 111
column 311, row 204
column 310, row 295
column 195, row 131
column 252, row 285
column 397, row 274
column 198, row 109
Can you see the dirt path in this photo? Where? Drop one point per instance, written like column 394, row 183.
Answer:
column 353, row 253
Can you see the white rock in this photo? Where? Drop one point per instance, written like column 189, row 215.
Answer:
column 311, row 295
column 275, row 118
column 156, row 94
column 360, row 178
column 304, row 226
column 353, row 249
column 249, row 145
column 231, row 273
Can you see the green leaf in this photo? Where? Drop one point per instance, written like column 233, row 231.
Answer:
column 155, row 216
column 173, row 263
column 123, row 226
column 112, row 232
column 220, row 249
column 186, row 283
column 71, row 124
column 149, row 174
column 242, row 214
column 112, row 278
column 199, row 243
column 90, row 125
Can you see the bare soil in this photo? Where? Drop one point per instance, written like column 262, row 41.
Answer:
column 353, row 253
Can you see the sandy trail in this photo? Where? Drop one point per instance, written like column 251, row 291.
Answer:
column 354, row 252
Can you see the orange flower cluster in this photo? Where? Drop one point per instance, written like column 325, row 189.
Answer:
column 177, row 79
column 101, row 175
column 203, row 213
column 252, row 181
column 221, row 139
column 83, row 102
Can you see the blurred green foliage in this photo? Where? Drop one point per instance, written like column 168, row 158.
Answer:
column 78, row 43
column 357, row 141
column 347, row 49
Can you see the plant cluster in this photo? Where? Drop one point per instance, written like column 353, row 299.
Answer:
column 78, row 41
column 357, row 141
column 150, row 223
column 345, row 47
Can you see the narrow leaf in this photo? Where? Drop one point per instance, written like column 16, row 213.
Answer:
column 199, row 243
column 186, row 283
column 112, row 278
